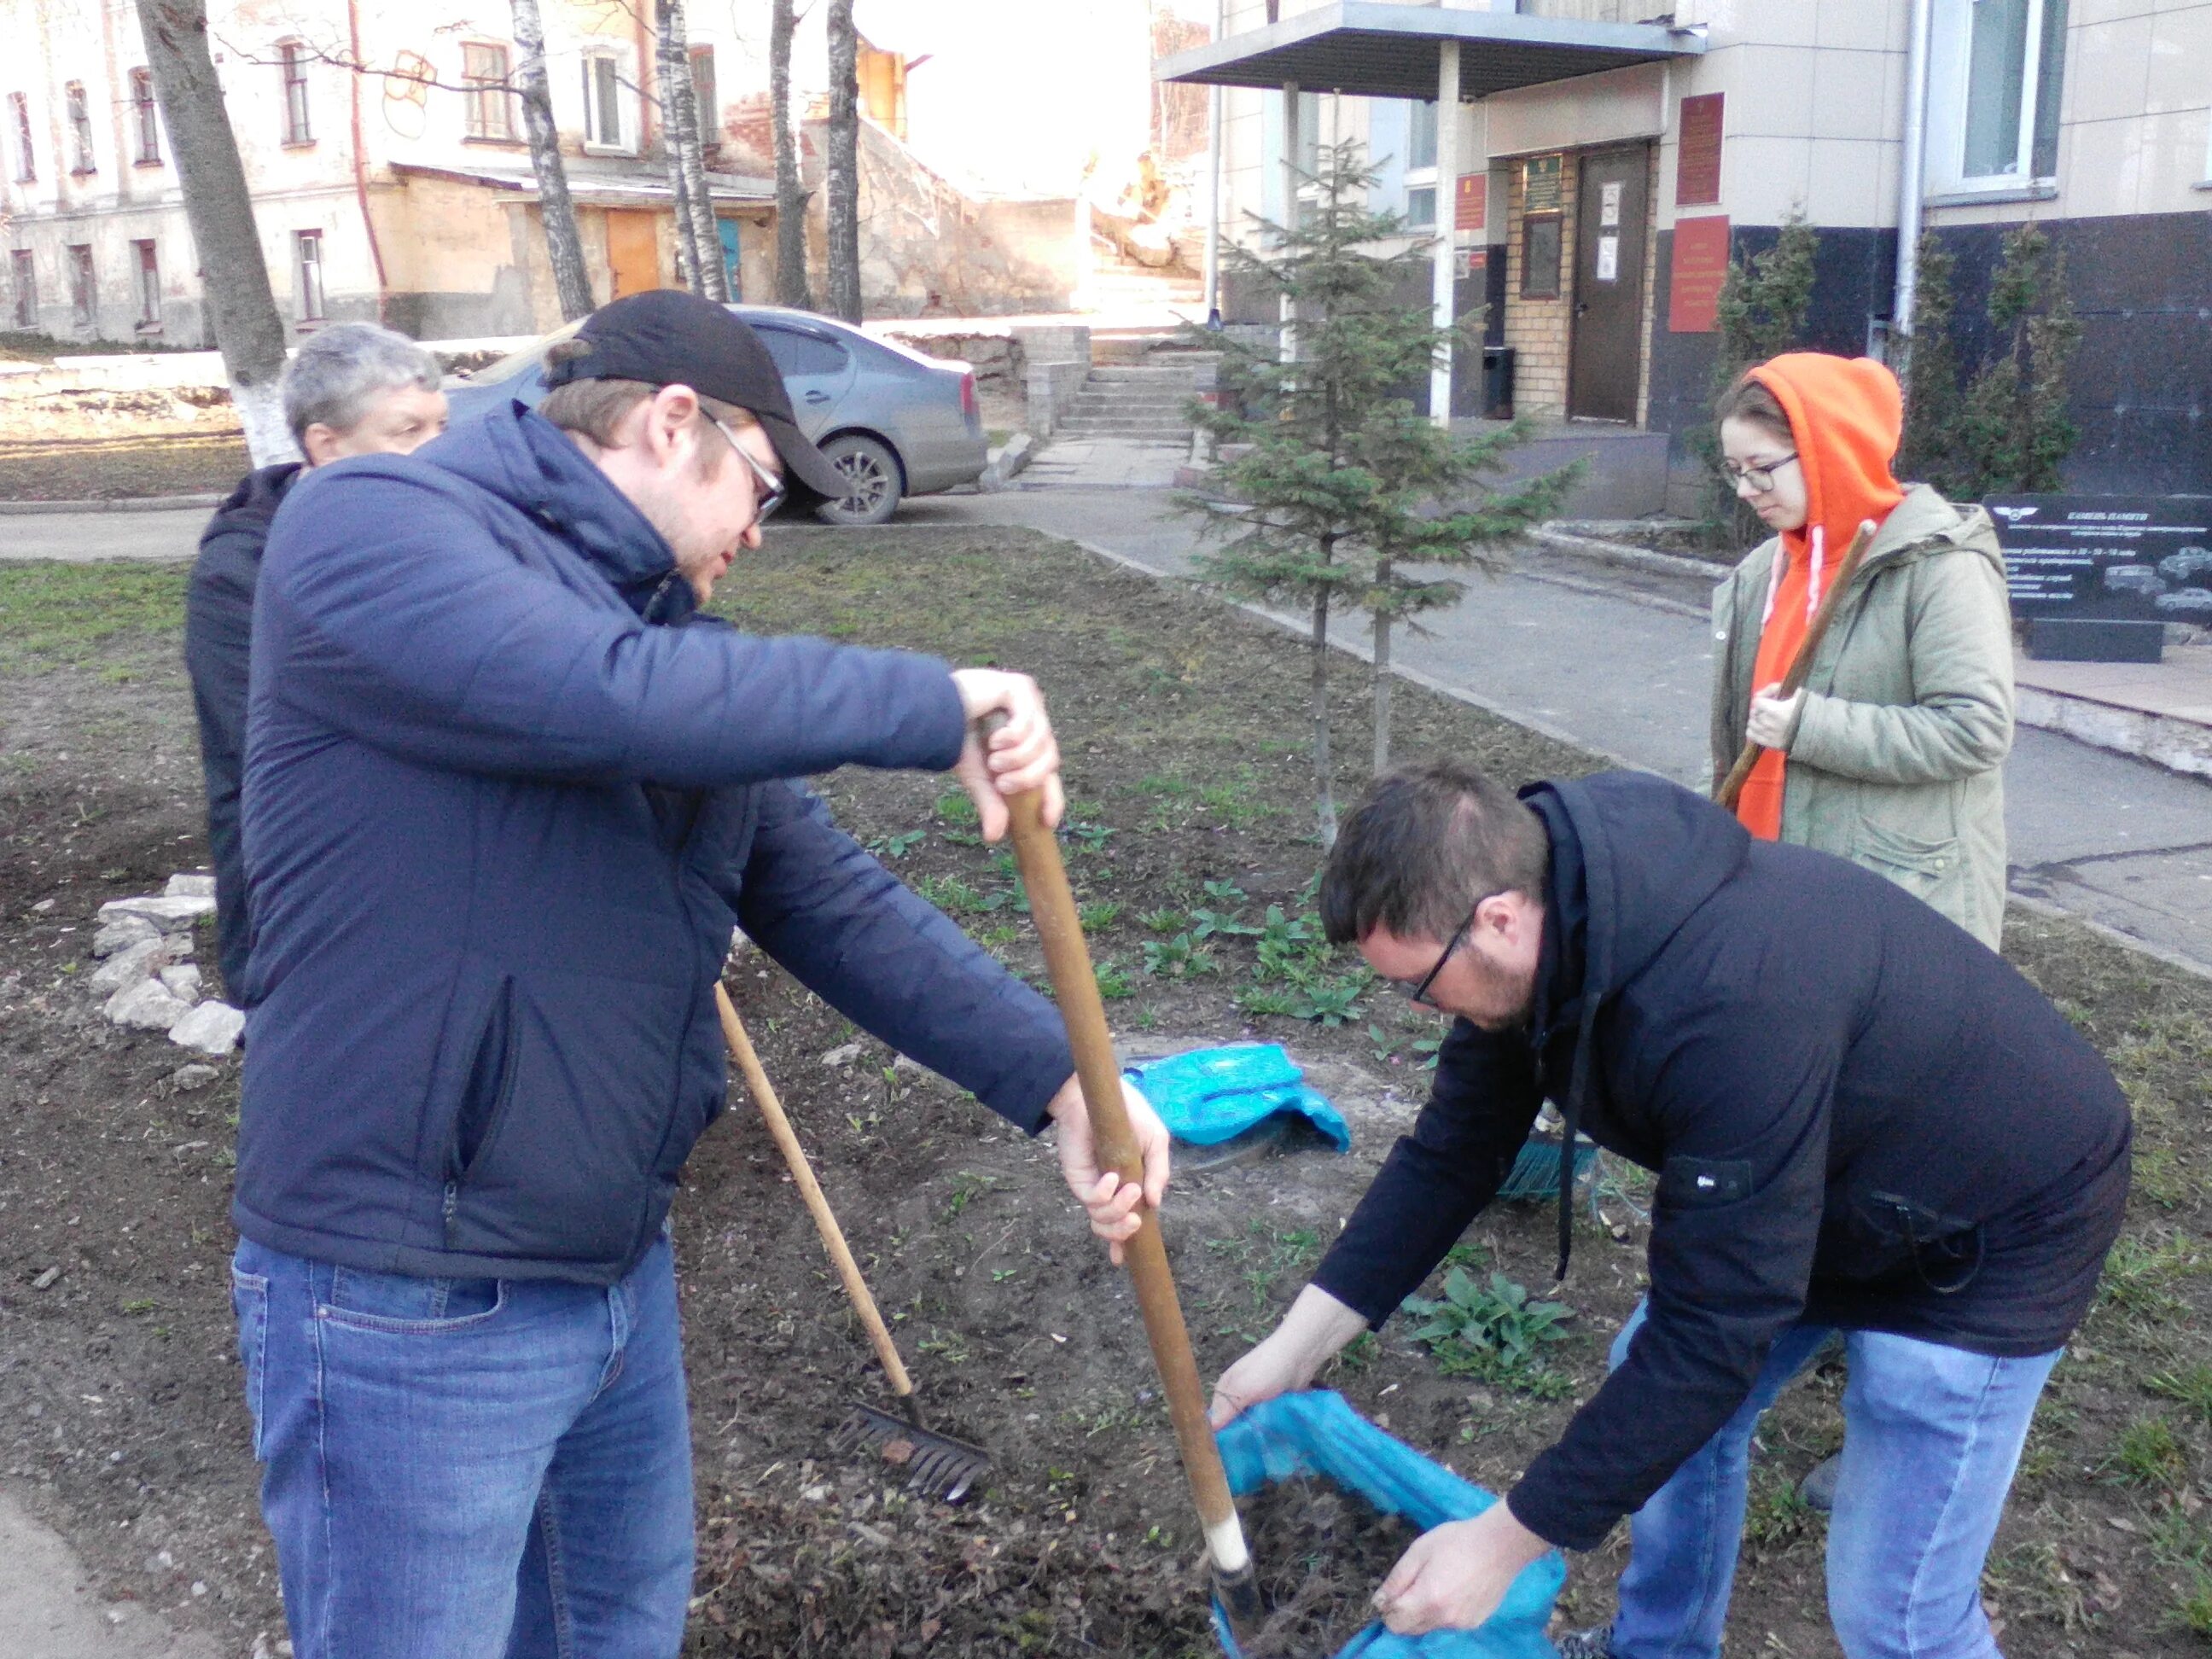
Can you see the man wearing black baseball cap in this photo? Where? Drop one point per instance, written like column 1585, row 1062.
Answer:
column 505, row 795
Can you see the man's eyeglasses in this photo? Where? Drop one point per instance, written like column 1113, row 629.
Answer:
column 1418, row 993
column 1760, row 478
column 768, row 490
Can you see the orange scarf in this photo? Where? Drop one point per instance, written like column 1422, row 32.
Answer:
column 1846, row 417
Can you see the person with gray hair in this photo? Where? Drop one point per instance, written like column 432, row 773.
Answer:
column 351, row 389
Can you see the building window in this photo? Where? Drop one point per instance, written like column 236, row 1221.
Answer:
column 80, row 122
column 26, row 289
column 307, row 263
column 603, row 114
column 1539, row 256
column 1421, row 138
column 1993, row 84
column 292, row 65
column 144, row 121
column 1421, row 208
column 150, row 286
column 84, row 299
column 19, row 118
column 703, row 95
column 490, row 104
column 1308, row 157
column 1421, row 180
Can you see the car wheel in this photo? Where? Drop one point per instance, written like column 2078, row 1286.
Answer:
column 871, row 479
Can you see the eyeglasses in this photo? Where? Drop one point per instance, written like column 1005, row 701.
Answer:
column 768, row 490
column 1418, row 994
column 1760, row 478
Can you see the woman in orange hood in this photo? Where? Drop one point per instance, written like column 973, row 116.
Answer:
column 1891, row 755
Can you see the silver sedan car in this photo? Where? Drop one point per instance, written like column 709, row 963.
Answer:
column 893, row 422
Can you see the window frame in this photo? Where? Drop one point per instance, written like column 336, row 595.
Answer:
column 84, row 287
column 145, row 113
column 23, row 272
column 1424, row 176
column 26, row 160
column 2043, row 88
column 1556, row 218
column 149, row 285
column 310, row 296
column 488, row 92
column 77, row 109
column 597, row 105
column 705, row 100
column 298, row 127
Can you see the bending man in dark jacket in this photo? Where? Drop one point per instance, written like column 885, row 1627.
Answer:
column 1862, row 1118
column 353, row 389
column 506, row 796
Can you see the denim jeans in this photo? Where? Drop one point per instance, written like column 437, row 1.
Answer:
column 467, row 1468
column 1931, row 1437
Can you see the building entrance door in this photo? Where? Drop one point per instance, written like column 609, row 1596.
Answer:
column 633, row 251
column 1604, row 357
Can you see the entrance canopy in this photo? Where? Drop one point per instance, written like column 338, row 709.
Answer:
column 1376, row 51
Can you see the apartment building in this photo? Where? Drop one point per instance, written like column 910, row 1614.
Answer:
column 1599, row 168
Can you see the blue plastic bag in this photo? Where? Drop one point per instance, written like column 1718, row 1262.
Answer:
column 1209, row 1095
column 1297, row 1436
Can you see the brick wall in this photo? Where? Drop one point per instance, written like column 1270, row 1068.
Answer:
column 1537, row 329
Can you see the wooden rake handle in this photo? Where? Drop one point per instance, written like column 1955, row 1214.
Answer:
column 1068, row 960
column 1731, row 786
column 825, row 1223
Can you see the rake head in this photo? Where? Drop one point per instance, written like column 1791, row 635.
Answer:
column 937, row 1465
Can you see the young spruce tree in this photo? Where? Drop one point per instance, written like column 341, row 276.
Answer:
column 1353, row 498
column 2015, row 428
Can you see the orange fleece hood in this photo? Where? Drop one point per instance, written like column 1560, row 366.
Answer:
column 1847, row 417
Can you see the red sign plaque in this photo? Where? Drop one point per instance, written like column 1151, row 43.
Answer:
column 1700, row 267
column 1697, row 161
column 1471, row 203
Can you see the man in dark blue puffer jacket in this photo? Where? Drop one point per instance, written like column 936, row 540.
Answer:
column 506, row 796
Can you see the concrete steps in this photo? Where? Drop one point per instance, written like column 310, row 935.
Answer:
column 1137, row 390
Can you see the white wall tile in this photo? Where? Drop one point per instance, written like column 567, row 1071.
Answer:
column 1864, row 24
column 2103, row 170
column 1763, row 180
column 1775, row 99
column 2109, row 69
column 1847, row 97
column 1844, row 183
column 2180, row 75
column 2173, row 148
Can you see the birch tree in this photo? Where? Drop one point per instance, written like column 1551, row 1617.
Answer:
column 564, row 247
column 790, row 189
column 842, row 186
column 241, row 306
column 696, row 231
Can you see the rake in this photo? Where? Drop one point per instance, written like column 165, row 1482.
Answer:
column 937, row 1465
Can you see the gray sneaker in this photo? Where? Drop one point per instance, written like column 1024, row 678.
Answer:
column 1595, row 1642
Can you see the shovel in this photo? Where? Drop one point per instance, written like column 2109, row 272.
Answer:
column 1068, row 960
column 937, row 1465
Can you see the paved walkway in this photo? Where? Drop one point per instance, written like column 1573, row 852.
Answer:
column 48, row 1609
column 1571, row 649
column 1102, row 463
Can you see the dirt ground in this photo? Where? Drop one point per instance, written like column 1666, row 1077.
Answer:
column 120, row 1416
column 59, row 443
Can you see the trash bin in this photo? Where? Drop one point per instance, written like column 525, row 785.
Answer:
column 1498, row 383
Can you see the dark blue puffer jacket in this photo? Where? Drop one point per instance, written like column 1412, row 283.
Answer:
column 504, row 799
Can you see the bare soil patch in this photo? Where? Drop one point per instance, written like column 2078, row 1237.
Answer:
column 66, row 443
column 120, row 1415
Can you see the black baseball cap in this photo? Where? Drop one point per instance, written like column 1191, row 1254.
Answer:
column 666, row 336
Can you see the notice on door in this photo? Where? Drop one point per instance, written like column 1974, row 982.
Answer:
column 1609, row 211
column 1608, row 259
column 1695, row 273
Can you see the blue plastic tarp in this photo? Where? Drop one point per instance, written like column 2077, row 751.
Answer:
column 1208, row 1095
column 1299, row 1436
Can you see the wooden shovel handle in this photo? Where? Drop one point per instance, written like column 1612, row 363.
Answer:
column 1800, row 665
column 825, row 1223
column 1052, row 903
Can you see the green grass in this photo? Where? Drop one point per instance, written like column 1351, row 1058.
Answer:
column 63, row 613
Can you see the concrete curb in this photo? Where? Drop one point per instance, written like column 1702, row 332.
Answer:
column 2177, row 745
column 1638, row 558
column 1011, row 458
column 2051, row 912
column 118, row 504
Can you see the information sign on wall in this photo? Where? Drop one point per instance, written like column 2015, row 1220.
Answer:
column 1471, row 202
column 2108, row 558
column 1541, row 186
column 1698, row 159
column 1695, row 274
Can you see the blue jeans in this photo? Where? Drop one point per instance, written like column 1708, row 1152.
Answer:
column 468, row 1468
column 1931, row 1437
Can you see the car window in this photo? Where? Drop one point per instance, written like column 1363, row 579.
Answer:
column 531, row 356
column 802, row 354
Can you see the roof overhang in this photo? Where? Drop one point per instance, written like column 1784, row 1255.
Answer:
column 1376, row 50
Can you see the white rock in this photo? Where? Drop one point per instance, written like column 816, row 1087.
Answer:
column 212, row 1028
column 843, row 1055
column 189, row 886
column 183, row 981
column 145, row 1006
column 121, row 933
column 130, row 965
column 171, row 915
